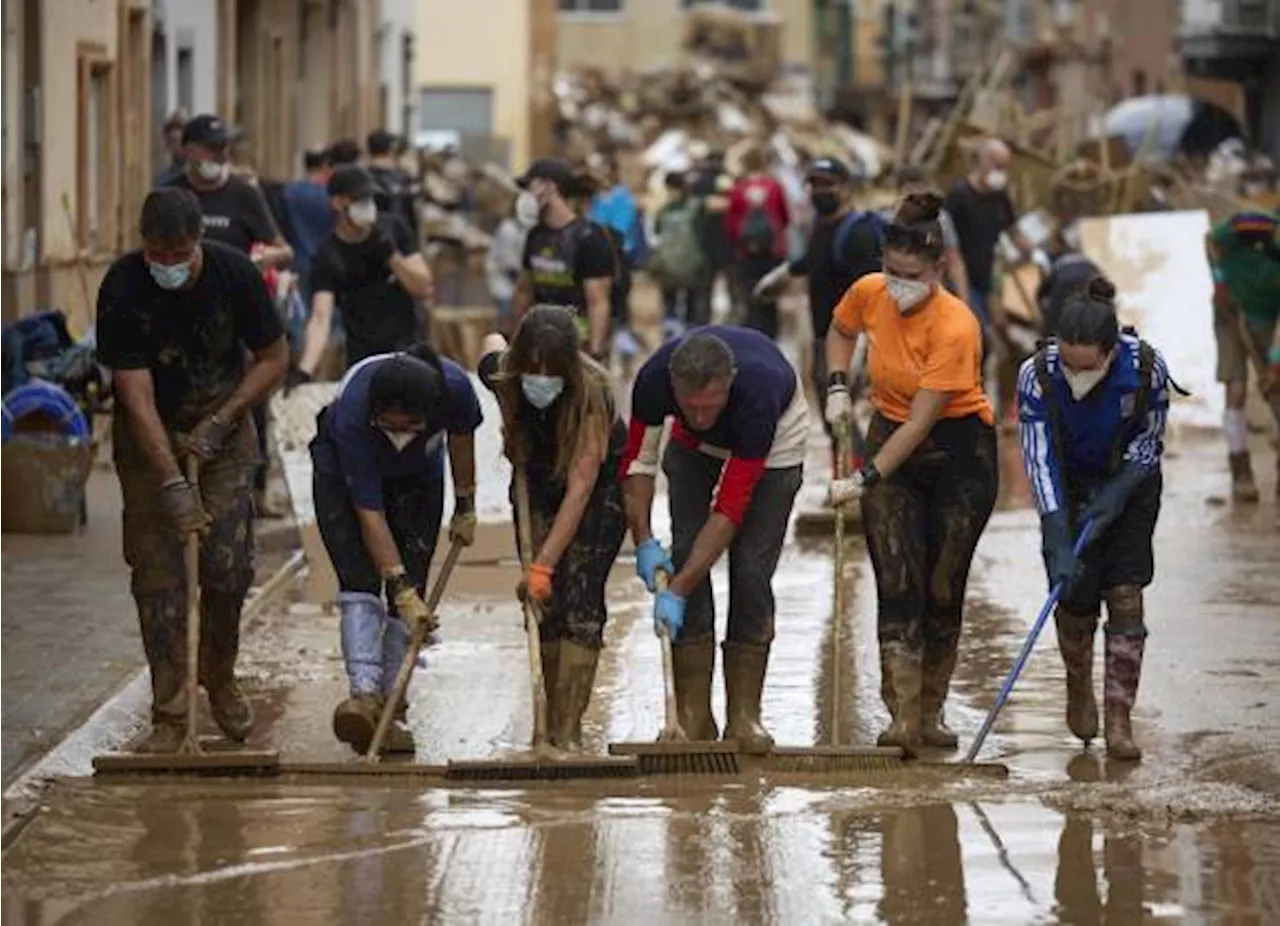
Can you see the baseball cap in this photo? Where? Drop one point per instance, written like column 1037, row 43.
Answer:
column 829, row 167
column 206, row 130
column 353, row 181
column 557, row 171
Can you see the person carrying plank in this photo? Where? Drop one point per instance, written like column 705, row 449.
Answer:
column 560, row 426
column 378, row 484
column 1092, row 408
column 734, row 464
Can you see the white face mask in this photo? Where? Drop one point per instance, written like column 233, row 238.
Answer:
column 363, row 212
column 528, row 212
column 997, row 180
column 1083, row 382
column 906, row 293
column 212, row 171
column 400, row 439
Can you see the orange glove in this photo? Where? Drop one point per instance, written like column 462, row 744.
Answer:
column 538, row 581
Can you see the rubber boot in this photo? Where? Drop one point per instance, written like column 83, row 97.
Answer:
column 1243, row 487
column 575, row 676
column 1124, row 668
column 395, row 645
column 162, row 618
column 219, row 648
column 745, row 665
column 900, row 670
column 1075, row 642
column 550, row 670
column 934, row 684
column 693, row 664
column 363, row 617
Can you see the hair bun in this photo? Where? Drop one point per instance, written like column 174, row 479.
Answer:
column 1102, row 289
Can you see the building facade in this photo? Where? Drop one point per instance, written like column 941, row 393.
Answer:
column 87, row 84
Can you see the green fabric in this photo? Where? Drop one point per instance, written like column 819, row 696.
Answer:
column 1251, row 274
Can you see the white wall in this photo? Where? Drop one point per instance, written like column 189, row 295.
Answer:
column 398, row 19
column 189, row 24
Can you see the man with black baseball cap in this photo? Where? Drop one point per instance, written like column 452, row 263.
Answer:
column 568, row 260
column 369, row 268
column 843, row 246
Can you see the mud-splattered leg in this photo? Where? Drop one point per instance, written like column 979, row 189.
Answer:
column 1126, row 636
column 1076, row 634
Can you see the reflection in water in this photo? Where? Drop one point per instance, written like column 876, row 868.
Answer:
column 921, row 867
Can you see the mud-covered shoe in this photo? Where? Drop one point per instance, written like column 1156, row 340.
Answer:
column 901, row 683
column 164, row 737
column 1124, row 669
column 744, row 670
column 1082, row 704
column 356, row 719
column 935, row 682
column 399, row 741
column 1243, row 487
column 693, row 665
column 575, row 677
column 231, row 711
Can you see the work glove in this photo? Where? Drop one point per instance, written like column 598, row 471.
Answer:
column 839, row 408
column 1108, row 504
column 409, row 604
column 772, row 281
column 846, row 491
column 668, row 613
column 650, row 558
column 1060, row 560
column 181, row 503
column 206, row 438
column 535, row 585
column 462, row 526
column 294, row 378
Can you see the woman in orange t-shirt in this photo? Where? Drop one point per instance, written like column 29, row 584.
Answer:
column 931, row 478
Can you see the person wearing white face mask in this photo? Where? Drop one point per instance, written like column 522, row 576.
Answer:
column 931, row 477
column 369, row 270
column 378, row 486
column 1092, row 408
column 561, row 426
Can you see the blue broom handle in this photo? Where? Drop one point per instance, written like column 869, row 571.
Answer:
column 1027, row 646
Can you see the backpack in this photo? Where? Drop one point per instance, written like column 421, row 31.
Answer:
column 876, row 223
column 758, row 235
column 678, row 260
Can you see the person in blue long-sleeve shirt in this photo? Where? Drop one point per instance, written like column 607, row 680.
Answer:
column 378, row 487
column 1093, row 404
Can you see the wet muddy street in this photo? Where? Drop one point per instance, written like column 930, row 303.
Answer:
column 1191, row 835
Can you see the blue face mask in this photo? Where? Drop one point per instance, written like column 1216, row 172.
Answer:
column 170, row 276
column 540, row 390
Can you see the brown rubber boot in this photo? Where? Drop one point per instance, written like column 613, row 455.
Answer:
column 901, row 675
column 231, row 710
column 399, row 739
column 934, row 684
column 745, row 665
column 1243, row 487
column 550, row 666
column 693, row 664
column 1075, row 642
column 356, row 719
column 219, row 648
column 575, row 677
column 1124, row 668
column 166, row 736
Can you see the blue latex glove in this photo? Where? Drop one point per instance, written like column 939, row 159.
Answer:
column 1060, row 560
column 650, row 559
column 1110, row 501
column 668, row 613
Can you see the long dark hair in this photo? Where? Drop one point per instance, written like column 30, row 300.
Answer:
column 1089, row 316
column 547, row 340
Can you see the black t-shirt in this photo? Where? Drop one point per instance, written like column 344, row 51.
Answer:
column 235, row 214
column 559, row 261
column 192, row 339
column 979, row 219
column 395, row 197
column 829, row 278
column 377, row 313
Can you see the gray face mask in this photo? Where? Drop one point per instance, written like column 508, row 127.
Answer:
column 541, row 391
column 170, row 276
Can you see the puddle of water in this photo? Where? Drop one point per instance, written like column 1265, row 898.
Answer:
column 242, row 854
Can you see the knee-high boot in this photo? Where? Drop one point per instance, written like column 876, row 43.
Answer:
column 745, row 665
column 900, row 686
column 693, row 664
column 1076, row 633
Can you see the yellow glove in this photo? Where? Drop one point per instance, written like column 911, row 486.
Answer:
column 409, row 604
column 462, row 526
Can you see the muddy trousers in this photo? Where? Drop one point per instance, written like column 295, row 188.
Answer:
column 572, row 626
column 922, row 525
column 154, row 552
column 753, row 558
column 1115, row 569
column 374, row 640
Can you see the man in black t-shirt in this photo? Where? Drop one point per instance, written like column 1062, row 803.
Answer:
column 369, row 268
column 192, row 337
column 567, row 261
column 395, row 188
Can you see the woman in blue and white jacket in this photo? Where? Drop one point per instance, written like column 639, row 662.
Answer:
column 1092, row 409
